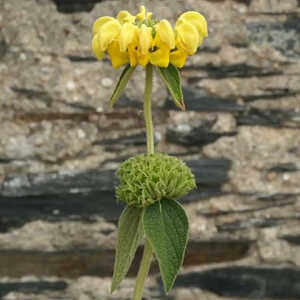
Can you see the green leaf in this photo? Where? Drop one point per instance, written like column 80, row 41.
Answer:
column 171, row 77
column 166, row 227
column 123, row 80
column 130, row 233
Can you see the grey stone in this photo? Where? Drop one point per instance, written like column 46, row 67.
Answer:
column 84, row 196
column 60, row 145
column 247, row 282
column 284, row 36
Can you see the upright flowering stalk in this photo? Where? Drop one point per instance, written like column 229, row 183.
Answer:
column 150, row 184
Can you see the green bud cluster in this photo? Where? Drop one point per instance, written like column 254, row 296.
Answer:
column 147, row 178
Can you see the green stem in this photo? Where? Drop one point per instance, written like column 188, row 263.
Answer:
column 143, row 271
column 147, row 255
column 147, row 109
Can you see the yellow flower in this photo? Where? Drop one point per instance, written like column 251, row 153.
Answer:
column 145, row 43
column 141, row 40
column 124, row 16
column 178, row 58
column 187, row 37
column 96, row 47
column 165, row 33
column 128, row 35
column 161, row 56
column 163, row 43
column 190, row 30
column 145, row 39
column 142, row 15
column 99, row 22
column 197, row 20
column 117, row 57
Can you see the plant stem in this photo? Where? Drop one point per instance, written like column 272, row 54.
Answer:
column 147, row 109
column 147, row 255
column 143, row 271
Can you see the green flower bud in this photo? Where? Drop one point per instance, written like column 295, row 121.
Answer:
column 147, row 178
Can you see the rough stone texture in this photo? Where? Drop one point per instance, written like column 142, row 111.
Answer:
column 60, row 145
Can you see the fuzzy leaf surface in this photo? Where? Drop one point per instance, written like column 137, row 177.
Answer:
column 166, row 227
column 171, row 78
column 123, row 80
column 130, row 233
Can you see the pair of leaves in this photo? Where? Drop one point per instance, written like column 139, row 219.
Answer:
column 165, row 225
column 169, row 75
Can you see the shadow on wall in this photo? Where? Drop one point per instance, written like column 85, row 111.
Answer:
column 73, row 6
column 246, row 282
column 69, row 7
column 31, row 287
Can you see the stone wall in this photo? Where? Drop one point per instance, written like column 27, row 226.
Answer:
column 60, row 146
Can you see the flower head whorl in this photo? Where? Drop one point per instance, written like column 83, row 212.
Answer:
column 147, row 178
column 140, row 40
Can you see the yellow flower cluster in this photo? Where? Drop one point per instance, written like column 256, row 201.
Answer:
column 141, row 40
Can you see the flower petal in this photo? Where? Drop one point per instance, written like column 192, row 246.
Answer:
column 127, row 35
column 99, row 22
column 178, row 58
column 166, row 34
column 142, row 14
column 125, row 16
column 161, row 57
column 143, row 60
column 188, row 37
column 197, row 20
column 133, row 55
column 145, row 38
column 109, row 32
column 117, row 57
column 149, row 15
column 96, row 47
